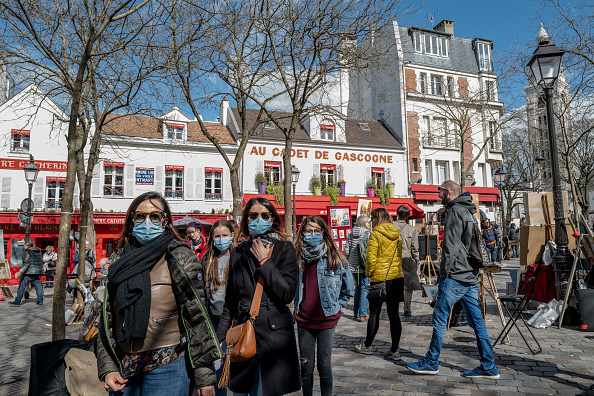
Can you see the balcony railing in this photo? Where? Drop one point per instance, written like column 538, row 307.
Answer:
column 495, row 145
column 452, row 142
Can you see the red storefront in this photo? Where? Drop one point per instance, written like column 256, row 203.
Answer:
column 428, row 192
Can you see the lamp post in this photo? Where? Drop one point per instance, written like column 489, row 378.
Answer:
column 294, row 179
column 545, row 65
column 31, row 171
column 499, row 180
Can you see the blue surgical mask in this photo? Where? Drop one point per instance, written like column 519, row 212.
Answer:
column 148, row 231
column 259, row 226
column 223, row 244
column 313, row 240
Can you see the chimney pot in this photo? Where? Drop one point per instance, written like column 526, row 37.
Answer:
column 445, row 26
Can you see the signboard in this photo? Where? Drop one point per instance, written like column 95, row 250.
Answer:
column 145, row 176
column 11, row 163
column 469, row 176
column 339, row 220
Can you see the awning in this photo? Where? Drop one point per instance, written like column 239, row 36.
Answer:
column 428, row 192
column 316, row 205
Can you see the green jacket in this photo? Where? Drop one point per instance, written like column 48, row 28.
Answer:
column 197, row 332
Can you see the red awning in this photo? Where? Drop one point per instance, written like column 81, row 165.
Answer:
column 327, row 167
column 174, row 167
column 272, row 164
column 218, row 170
column 428, row 192
column 20, row 132
column 111, row 163
column 377, row 170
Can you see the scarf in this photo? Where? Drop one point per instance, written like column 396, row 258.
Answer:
column 268, row 239
column 130, row 277
column 310, row 254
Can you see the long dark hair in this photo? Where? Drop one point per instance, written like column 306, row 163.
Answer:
column 212, row 255
column 127, row 238
column 335, row 256
column 276, row 220
column 382, row 216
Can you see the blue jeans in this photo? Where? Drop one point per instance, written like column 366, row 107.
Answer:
column 493, row 251
column 516, row 250
column 451, row 291
column 34, row 279
column 172, row 379
column 361, row 304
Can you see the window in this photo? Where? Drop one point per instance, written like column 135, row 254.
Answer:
column 428, row 172
column 490, row 90
column 113, row 181
column 435, row 85
column 110, row 246
column 364, row 126
column 441, row 172
column 327, row 175
column 174, row 181
column 417, row 41
column 415, row 164
column 213, row 184
column 456, row 171
column 435, row 45
column 272, row 170
column 55, row 190
column 423, row 83
column 495, row 142
column 175, row 131
column 451, row 92
column 444, row 46
column 327, row 132
column 484, row 56
column 377, row 175
column 20, row 140
column 427, row 123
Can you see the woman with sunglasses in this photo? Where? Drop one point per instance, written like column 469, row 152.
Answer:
column 384, row 263
column 195, row 240
column 264, row 253
column 155, row 335
column 324, row 287
column 215, row 266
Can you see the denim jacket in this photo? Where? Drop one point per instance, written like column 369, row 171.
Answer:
column 336, row 287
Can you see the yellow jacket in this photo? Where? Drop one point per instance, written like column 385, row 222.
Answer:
column 384, row 239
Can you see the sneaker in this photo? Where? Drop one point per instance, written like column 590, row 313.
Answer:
column 363, row 318
column 392, row 355
column 422, row 367
column 480, row 373
column 361, row 348
column 16, row 304
column 407, row 314
column 356, row 316
column 40, row 303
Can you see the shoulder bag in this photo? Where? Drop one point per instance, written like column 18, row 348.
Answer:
column 241, row 339
column 378, row 291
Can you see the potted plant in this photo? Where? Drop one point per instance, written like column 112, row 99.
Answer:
column 279, row 193
column 332, row 192
column 261, row 182
column 370, row 186
column 342, row 186
column 390, row 188
column 315, row 184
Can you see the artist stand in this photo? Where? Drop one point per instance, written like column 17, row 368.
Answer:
column 5, row 289
column 428, row 262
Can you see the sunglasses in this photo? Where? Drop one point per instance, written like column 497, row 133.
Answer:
column 254, row 216
column 155, row 217
column 317, row 231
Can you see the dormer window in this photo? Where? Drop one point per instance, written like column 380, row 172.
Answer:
column 431, row 44
column 327, row 132
column 364, row 126
column 484, row 56
column 174, row 131
column 20, row 141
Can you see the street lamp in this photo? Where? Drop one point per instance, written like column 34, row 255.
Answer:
column 31, row 172
column 499, row 180
column 294, row 179
column 545, row 65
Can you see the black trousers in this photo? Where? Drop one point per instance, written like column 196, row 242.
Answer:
column 394, row 296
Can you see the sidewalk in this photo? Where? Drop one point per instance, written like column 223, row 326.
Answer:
column 565, row 367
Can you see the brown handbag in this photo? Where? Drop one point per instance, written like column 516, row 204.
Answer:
column 241, row 339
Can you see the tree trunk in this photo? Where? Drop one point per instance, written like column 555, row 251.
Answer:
column 287, row 187
column 82, row 229
column 237, row 193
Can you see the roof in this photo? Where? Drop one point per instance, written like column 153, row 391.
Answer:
column 378, row 134
column 152, row 128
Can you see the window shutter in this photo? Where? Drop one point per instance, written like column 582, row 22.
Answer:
column 367, row 176
column 129, row 182
column 199, row 183
column 189, row 187
column 75, row 198
column 96, row 181
column 316, row 170
column 259, row 166
column 5, row 198
column 159, row 179
column 38, row 193
column 227, row 191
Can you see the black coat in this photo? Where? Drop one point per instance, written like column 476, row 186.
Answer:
column 274, row 326
column 32, row 262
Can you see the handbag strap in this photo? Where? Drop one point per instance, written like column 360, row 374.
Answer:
column 257, row 299
column 387, row 273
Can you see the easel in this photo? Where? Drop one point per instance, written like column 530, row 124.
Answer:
column 5, row 290
column 428, row 262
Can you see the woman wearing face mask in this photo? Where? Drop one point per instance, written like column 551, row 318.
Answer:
column 324, row 287
column 155, row 336
column 195, row 240
column 265, row 253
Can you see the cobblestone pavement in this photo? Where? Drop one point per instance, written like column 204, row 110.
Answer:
column 565, row 367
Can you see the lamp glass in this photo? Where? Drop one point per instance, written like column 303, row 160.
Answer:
column 31, row 172
column 294, row 174
column 500, row 176
column 535, row 68
column 549, row 67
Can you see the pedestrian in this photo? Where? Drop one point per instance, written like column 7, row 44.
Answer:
column 265, row 252
column 104, row 264
column 89, row 270
column 324, row 287
column 89, row 255
column 50, row 258
column 410, row 256
column 155, row 336
column 491, row 237
column 356, row 251
column 30, row 271
column 195, row 239
column 384, row 264
column 459, row 281
column 215, row 267
column 513, row 239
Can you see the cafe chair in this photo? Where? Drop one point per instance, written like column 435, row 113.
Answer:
column 520, row 302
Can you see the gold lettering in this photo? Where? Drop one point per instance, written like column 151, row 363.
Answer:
column 360, row 157
column 262, row 150
column 318, row 154
column 389, row 159
column 337, row 156
column 254, row 151
column 275, row 152
column 375, row 158
column 367, row 157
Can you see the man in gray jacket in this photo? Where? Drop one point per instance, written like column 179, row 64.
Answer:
column 30, row 271
column 459, row 281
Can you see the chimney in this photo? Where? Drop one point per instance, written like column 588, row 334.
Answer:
column 445, row 26
column 224, row 111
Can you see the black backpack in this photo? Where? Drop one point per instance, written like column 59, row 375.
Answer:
column 477, row 252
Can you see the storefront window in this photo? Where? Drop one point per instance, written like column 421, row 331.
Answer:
column 174, row 181
column 113, row 182
column 272, row 170
column 55, row 190
column 377, row 174
column 327, row 175
column 213, row 184
column 110, row 248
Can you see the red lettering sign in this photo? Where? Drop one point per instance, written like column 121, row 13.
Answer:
column 174, row 167
column 20, row 132
column 377, row 170
column 116, row 164
column 328, row 167
column 57, row 166
column 213, row 169
column 272, row 164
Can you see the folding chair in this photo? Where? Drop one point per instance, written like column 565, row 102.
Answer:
column 520, row 302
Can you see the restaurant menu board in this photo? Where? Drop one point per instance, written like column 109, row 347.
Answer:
column 339, row 221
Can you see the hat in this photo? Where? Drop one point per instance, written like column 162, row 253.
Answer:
column 193, row 224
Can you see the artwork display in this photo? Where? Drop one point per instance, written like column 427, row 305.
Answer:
column 342, row 234
column 364, row 207
column 334, row 233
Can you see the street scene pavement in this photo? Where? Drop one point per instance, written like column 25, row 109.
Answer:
column 565, row 366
